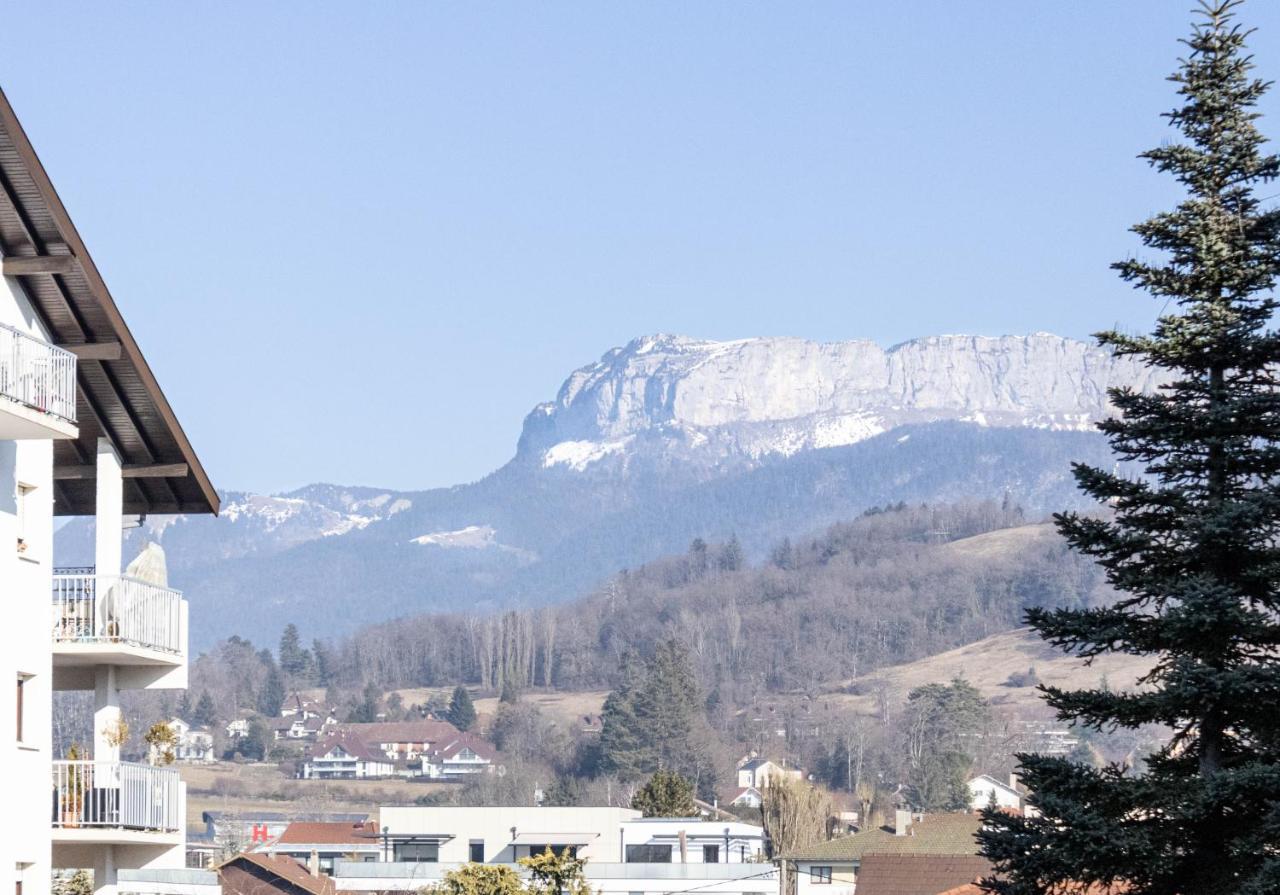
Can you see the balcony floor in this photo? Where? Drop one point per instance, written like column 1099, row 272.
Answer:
column 73, row 836
column 18, row 421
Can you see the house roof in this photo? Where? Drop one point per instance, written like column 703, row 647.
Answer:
column 418, row 731
column 117, row 395
column 352, row 744
column 987, row 778
column 743, row 791
column 470, row 741
column 287, row 869
column 919, row 874
column 277, row 816
column 934, row 834
column 753, row 764
column 329, row 833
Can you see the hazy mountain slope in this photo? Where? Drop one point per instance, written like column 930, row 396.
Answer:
column 662, row 440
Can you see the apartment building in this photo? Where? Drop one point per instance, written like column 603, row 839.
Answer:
column 84, row 430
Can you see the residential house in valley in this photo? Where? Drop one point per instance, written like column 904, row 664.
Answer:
column 403, row 740
column 755, row 772
column 85, row 430
column 343, row 755
column 985, row 790
column 194, row 744
column 328, row 842
column 460, row 757
column 834, row 867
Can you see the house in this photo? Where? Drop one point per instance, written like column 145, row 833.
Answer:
column 460, row 757
column 345, row 756
column 745, row 797
column 832, row 867
column 328, row 841
column 297, row 705
column 502, row 834
column 251, row 829
column 194, row 744
column 690, row 840
column 985, row 790
column 255, row 873
column 403, row 740
column 755, row 773
column 85, row 430
column 300, row 727
column 919, row 874
column 238, row 728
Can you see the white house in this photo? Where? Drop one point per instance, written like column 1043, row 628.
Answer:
column 745, row 797
column 238, row 728
column 84, row 431
column 330, row 842
column 300, row 727
column 502, row 835
column 460, row 757
column 690, row 840
column 344, row 756
column 755, row 773
column 985, row 790
column 194, row 745
column 299, row 705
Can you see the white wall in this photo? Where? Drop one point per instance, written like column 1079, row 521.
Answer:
column 25, row 640
column 842, row 879
column 744, row 840
column 982, row 790
column 493, row 826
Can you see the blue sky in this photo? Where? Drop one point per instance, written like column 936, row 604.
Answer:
column 358, row 242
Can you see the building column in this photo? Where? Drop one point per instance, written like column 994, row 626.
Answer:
column 104, row 870
column 106, row 711
column 108, row 546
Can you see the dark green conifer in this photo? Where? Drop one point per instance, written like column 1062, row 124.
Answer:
column 1191, row 546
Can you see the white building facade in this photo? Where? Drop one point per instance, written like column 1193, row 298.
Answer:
column 84, row 430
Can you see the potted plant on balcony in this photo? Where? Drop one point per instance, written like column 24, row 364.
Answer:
column 71, row 798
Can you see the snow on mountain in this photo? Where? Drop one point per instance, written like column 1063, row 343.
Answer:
column 779, row 396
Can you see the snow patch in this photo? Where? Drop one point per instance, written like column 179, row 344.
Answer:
column 578, row 455
column 473, row 537
column 848, row 429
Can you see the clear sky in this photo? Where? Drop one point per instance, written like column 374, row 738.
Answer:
column 359, row 241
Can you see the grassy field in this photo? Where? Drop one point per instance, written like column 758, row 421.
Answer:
column 987, row 664
column 227, row 786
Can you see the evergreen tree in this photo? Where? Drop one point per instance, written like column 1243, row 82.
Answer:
column 462, row 712
column 271, row 696
column 667, row 704
column 940, row 721
column 293, row 658
column 731, row 556
column 366, row 711
column 253, row 745
column 203, row 714
column 622, row 749
column 666, row 794
column 1191, row 547
column 323, row 661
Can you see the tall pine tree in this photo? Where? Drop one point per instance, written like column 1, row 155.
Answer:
column 1191, row 547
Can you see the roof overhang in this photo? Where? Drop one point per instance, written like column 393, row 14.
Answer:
column 555, row 838
column 117, row 396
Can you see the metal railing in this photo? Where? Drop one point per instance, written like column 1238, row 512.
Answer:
column 90, row 608
column 116, row 794
column 37, row 374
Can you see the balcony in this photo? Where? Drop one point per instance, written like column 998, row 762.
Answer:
column 115, row 802
column 115, row 620
column 37, row 387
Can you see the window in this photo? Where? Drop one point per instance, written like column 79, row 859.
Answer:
column 710, row 854
column 24, row 512
column 418, row 852
column 648, row 854
column 477, row 851
column 819, row 875
column 22, row 709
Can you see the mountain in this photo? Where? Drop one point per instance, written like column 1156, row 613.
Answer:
column 662, row 440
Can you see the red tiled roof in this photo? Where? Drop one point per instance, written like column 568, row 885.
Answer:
column 304, row 832
column 352, row 744
column 466, row 741
column 289, row 870
column 419, row 731
column 919, row 874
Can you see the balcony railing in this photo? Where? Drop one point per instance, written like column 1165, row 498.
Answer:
column 116, row 794
column 37, row 374
column 89, row 608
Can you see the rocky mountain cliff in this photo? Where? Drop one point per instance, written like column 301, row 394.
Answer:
column 754, row 398
column 665, row 439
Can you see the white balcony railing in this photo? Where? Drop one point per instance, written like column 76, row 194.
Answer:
column 116, row 794
column 89, row 608
column 37, row 374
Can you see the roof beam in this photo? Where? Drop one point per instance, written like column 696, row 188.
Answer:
column 131, row 471
column 17, row 266
column 95, row 350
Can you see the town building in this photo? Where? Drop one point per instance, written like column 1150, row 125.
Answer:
column 920, row 874
column 459, row 758
column 327, row 842
column 256, row 873
column 84, row 431
column 690, row 840
column 194, row 744
column 755, row 773
column 985, row 790
column 345, row 756
column 834, row 867
column 403, row 740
